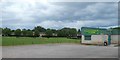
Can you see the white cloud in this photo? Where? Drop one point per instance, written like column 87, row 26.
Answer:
column 85, row 0
column 103, row 11
column 30, row 13
column 75, row 24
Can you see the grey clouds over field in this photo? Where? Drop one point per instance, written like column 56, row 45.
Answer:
column 27, row 14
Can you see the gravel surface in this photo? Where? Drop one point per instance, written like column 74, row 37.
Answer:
column 59, row 51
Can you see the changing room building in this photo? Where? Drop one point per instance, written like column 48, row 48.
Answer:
column 99, row 36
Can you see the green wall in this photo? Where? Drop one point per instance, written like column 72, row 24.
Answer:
column 93, row 31
column 98, row 31
column 115, row 32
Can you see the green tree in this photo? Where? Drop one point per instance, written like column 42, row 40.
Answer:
column 6, row 31
column 61, row 33
column 66, row 32
column 79, row 32
column 36, row 33
column 1, row 31
column 54, row 30
column 48, row 33
column 117, row 28
column 40, row 29
column 18, row 32
column 72, row 32
column 29, row 33
column 24, row 32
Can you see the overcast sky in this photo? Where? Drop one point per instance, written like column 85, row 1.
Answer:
column 56, row 15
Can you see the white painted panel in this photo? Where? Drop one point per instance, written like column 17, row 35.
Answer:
column 114, row 38
column 95, row 39
column 99, row 39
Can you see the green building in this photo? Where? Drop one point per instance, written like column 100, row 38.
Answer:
column 99, row 35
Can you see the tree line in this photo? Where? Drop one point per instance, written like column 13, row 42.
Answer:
column 38, row 30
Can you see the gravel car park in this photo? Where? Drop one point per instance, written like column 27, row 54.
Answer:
column 59, row 51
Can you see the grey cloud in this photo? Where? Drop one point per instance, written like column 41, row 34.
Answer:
column 71, row 14
column 91, row 11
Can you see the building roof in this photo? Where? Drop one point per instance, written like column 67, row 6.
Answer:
column 98, row 31
column 93, row 31
column 115, row 32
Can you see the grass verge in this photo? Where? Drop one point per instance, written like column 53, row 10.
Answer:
column 11, row 41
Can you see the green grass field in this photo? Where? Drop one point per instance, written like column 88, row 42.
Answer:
column 10, row 41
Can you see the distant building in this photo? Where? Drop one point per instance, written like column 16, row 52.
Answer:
column 12, row 33
column 54, row 34
column 42, row 34
column 99, row 36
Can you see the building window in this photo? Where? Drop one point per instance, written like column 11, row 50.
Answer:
column 87, row 37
